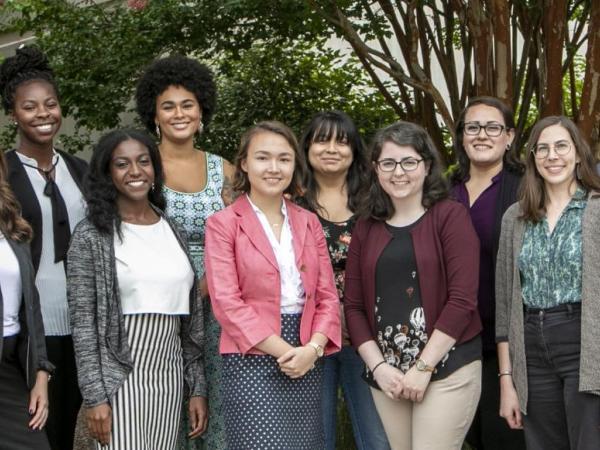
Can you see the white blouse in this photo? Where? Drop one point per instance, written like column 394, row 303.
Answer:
column 12, row 292
column 293, row 296
column 153, row 272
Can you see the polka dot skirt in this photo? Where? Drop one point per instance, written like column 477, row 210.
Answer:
column 264, row 408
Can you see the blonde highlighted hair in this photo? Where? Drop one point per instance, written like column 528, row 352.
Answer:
column 12, row 224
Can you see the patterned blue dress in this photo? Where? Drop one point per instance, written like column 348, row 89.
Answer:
column 190, row 211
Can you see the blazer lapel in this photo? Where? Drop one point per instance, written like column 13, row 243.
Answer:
column 24, row 268
column 251, row 226
column 299, row 227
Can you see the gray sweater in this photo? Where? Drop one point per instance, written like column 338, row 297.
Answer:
column 509, row 300
column 97, row 325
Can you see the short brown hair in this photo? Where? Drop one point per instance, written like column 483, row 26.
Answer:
column 241, row 183
column 533, row 192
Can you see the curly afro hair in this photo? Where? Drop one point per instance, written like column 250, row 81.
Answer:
column 99, row 188
column 175, row 70
column 29, row 63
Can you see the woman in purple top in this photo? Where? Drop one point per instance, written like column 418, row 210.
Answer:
column 486, row 182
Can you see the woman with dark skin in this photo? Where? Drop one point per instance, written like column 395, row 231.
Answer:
column 486, row 182
column 176, row 99
column 131, row 281
column 23, row 374
column 47, row 184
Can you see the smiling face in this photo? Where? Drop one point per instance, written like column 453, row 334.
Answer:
column 399, row 184
column 330, row 157
column 37, row 113
column 132, row 172
column 269, row 164
column 178, row 114
column 483, row 150
column 557, row 170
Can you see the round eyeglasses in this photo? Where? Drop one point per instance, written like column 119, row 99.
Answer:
column 541, row 151
column 389, row 165
column 492, row 129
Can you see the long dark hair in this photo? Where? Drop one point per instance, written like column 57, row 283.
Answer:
column 510, row 160
column 325, row 126
column 533, row 191
column 378, row 204
column 99, row 188
column 12, row 225
column 241, row 182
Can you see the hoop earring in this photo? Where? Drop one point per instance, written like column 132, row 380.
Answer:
column 158, row 131
column 508, row 146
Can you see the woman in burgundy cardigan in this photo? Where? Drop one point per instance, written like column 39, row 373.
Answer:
column 411, row 295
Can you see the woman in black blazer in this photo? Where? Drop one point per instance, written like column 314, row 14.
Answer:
column 24, row 367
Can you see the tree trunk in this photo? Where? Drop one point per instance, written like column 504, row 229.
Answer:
column 554, row 27
column 589, row 110
column 502, row 54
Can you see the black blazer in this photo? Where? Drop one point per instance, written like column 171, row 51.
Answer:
column 32, row 342
column 509, row 189
column 30, row 207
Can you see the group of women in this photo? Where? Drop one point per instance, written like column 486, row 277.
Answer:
column 183, row 296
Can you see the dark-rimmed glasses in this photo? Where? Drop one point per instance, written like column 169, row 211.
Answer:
column 492, row 129
column 389, row 165
column 541, row 151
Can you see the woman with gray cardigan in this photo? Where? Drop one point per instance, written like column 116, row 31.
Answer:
column 135, row 316
column 547, row 303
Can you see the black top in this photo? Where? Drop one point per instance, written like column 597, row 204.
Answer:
column 338, row 236
column 399, row 314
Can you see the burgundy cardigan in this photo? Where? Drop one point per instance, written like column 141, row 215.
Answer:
column 447, row 255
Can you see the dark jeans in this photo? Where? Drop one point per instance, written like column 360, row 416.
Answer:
column 489, row 431
column 63, row 393
column 559, row 417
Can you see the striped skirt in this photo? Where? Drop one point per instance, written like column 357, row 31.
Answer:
column 146, row 410
column 264, row 408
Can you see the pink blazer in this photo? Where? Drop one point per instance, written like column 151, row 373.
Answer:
column 243, row 278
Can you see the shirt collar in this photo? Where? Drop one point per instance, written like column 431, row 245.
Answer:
column 579, row 198
column 32, row 161
column 258, row 211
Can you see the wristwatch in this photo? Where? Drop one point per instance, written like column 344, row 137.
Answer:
column 318, row 348
column 423, row 367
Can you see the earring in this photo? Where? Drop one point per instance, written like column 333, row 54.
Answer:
column 578, row 171
column 158, row 131
column 508, row 147
column 152, row 187
column 200, row 128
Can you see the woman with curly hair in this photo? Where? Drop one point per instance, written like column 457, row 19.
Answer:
column 411, row 295
column 24, row 366
column 135, row 315
column 334, row 189
column 176, row 99
column 47, row 184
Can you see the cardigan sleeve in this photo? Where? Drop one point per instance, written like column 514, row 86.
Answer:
column 460, row 247
column 237, row 318
column 81, row 296
column 504, row 274
column 355, row 312
column 327, row 314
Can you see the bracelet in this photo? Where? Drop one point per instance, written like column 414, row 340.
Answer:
column 505, row 373
column 376, row 366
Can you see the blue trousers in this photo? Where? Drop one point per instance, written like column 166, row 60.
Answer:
column 345, row 368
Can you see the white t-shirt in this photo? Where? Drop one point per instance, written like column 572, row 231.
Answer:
column 153, row 272
column 12, row 292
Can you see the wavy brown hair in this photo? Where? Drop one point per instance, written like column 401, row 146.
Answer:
column 241, row 183
column 378, row 204
column 12, row 224
column 532, row 196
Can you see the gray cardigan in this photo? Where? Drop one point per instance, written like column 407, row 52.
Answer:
column 99, row 336
column 509, row 300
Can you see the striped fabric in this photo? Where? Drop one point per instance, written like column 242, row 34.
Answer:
column 146, row 409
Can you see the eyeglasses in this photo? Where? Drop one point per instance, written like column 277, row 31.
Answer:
column 389, row 165
column 541, row 151
column 492, row 129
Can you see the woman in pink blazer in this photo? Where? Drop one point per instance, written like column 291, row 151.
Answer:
column 273, row 292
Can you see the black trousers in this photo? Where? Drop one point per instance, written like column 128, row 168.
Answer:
column 489, row 431
column 63, row 393
column 15, row 433
column 559, row 417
